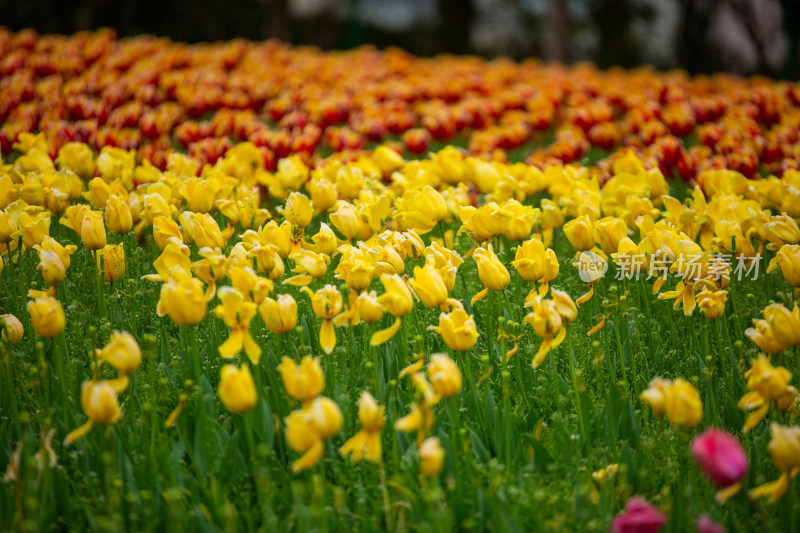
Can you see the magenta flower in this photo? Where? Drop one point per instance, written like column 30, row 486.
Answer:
column 720, row 456
column 639, row 516
column 706, row 524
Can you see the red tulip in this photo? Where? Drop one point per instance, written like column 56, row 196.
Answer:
column 720, row 456
column 639, row 516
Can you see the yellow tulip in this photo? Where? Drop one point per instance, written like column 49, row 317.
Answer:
column 73, row 217
column 297, row 209
column 51, row 266
column 33, row 229
column 237, row 391
column 712, row 303
column 93, row 231
column 580, row 234
column 303, row 382
column 767, row 385
column 308, row 267
column 491, row 271
column 280, row 316
column 183, row 300
column 788, row 258
column 12, row 330
column 78, row 158
column 207, row 233
column 608, row 232
column 678, row 400
column 347, row 220
column 99, row 401
column 387, row 159
column 268, row 261
column 547, row 323
column 429, row 286
column 324, row 417
column 784, row 447
column 118, row 216
column 325, row 241
column 237, row 313
column 302, row 438
column 565, row 306
column 47, row 315
column 444, row 375
column 431, row 457
column 112, row 260
column 356, row 268
column 366, row 444
column 254, row 288
column 323, row 194
column 122, row 352
column 326, row 303
column 396, row 300
column 280, row 236
column 458, row 329
column 199, row 195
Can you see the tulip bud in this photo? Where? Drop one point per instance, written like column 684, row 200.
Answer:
column 458, row 329
column 237, row 391
column 297, row 209
column 444, row 375
column 639, row 516
column 720, row 456
column 429, row 286
column 347, row 220
column 325, row 417
column 302, row 382
column 111, row 262
column 93, row 231
column 431, row 457
column 491, row 271
column 47, row 316
column 280, row 316
column 99, row 401
column 118, row 215
column 12, row 331
column 122, row 352
column 579, row 233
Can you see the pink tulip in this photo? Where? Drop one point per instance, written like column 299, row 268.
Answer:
column 720, row 456
column 706, row 524
column 639, row 516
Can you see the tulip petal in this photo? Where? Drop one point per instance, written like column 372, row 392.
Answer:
column 251, row 348
column 772, row 489
column 723, row 495
column 300, row 280
column 233, row 345
column 480, row 296
column 310, row 458
column 380, row 337
column 543, row 288
column 327, row 336
column 586, row 297
column 543, row 350
column 754, row 418
column 78, row 433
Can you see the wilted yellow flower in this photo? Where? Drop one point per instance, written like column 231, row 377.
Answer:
column 712, row 303
column 778, row 331
column 767, row 384
column 93, row 231
column 431, row 457
column 12, row 331
column 118, row 215
column 303, row 382
column 547, row 323
column 280, row 316
column 429, row 286
column 47, row 315
column 237, row 389
column 565, row 306
column 458, row 329
column 237, row 313
column 444, row 375
column 122, row 352
column 183, row 300
column 366, row 444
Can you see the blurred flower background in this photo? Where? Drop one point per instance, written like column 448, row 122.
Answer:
column 701, row 36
